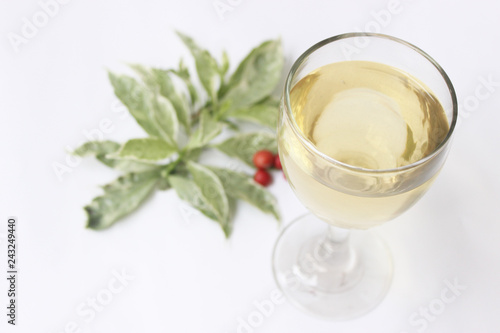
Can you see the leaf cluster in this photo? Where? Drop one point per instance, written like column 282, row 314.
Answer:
column 181, row 116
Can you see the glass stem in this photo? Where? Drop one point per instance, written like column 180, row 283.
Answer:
column 338, row 235
column 334, row 249
column 336, row 267
column 329, row 262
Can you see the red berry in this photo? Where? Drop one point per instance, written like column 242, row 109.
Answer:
column 277, row 162
column 262, row 177
column 263, row 159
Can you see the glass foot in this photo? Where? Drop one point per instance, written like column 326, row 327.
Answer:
column 330, row 272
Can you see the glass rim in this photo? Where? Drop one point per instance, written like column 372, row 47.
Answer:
column 311, row 147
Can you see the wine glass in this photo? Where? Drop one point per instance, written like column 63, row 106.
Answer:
column 365, row 126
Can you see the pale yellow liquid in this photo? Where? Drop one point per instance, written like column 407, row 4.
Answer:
column 367, row 115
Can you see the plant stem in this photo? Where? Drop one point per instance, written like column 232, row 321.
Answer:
column 171, row 167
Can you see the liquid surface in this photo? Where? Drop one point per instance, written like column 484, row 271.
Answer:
column 368, row 115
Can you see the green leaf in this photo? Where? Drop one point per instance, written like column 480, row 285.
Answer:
column 123, row 183
column 240, row 186
column 256, row 76
column 94, row 148
column 192, row 154
column 207, row 130
column 224, row 67
column 121, row 197
column 126, row 165
column 100, row 149
column 230, row 124
column 168, row 90
column 146, row 149
column 183, row 73
column 188, row 191
column 160, row 82
column 154, row 114
column 244, row 146
column 212, row 189
column 195, row 192
column 145, row 74
column 206, row 66
column 166, row 119
column 265, row 114
column 137, row 100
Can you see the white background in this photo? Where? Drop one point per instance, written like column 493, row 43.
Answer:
column 187, row 277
